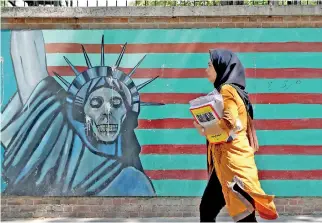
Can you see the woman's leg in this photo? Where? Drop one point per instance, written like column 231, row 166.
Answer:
column 249, row 218
column 252, row 216
column 212, row 200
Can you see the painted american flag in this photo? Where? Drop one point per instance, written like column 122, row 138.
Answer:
column 284, row 79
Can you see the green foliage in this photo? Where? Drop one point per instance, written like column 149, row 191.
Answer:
column 4, row 3
column 173, row 3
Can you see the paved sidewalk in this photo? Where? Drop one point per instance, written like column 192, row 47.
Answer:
column 300, row 218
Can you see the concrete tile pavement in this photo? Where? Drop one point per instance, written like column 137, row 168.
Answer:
column 299, row 218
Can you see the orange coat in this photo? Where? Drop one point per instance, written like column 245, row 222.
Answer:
column 234, row 163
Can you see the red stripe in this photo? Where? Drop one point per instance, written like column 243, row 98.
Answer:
column 186, row 47
column 290, row 150
column 200, row 72
column 262, row 98
column 169, row 98
column 290, row 175
column 263, row 150
column 263, row 174
column 284, row 98
column 177, row 174
column 274, row 124
column 174, row 149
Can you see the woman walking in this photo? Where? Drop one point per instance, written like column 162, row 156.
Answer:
column 233, row 180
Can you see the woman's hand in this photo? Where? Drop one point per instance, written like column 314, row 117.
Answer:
column 199, row 128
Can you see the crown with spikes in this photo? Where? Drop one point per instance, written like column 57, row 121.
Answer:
column 105, row 71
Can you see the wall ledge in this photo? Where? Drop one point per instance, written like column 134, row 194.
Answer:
column 175, row 11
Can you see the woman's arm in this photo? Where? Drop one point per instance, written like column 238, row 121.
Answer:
column 230, row 114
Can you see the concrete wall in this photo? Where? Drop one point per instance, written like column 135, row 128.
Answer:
column 159, row 11
column 284, row 74
column 161, row 17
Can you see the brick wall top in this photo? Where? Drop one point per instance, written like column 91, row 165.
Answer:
column 175, row 11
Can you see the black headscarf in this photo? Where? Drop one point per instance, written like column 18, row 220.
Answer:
column 230, row 71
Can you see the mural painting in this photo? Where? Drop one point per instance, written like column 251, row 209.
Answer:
column 82, row 113
column 75, row 139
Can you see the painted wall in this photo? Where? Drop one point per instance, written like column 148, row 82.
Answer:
column 56, row 139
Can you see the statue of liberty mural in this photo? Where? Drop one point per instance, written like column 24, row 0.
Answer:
column 71, row 139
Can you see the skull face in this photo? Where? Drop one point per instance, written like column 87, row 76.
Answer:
column 105, row 111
